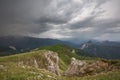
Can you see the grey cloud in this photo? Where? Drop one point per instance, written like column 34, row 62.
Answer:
column 23, row 17
column 84, row 23
column 52, row 20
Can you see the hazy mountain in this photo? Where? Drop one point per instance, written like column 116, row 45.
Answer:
column 104, row 49
column 15, row 44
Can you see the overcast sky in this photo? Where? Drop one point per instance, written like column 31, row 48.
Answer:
column 61, row 19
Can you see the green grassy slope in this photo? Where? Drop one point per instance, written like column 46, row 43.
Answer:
column 9, row 69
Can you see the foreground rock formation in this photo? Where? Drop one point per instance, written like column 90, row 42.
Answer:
column 81, row 68
column 52, row 62
column 48, row 61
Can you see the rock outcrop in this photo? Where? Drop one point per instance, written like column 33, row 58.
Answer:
column 74, row 67
column 80, row 68
column 52, row 62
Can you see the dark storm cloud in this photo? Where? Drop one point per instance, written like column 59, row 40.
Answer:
column 17, row 16
column 60, row 18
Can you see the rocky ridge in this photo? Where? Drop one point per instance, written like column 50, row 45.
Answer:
column 76, row 67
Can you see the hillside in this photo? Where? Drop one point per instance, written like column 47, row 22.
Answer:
column 31, row 65
column 43, row 64
column 66, row 52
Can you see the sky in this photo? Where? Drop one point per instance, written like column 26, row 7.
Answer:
column 73, row 20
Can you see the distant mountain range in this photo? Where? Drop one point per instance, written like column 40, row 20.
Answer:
column 104, row 49
column 16, row 44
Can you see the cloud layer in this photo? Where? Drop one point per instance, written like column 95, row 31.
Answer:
column 61, row 19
